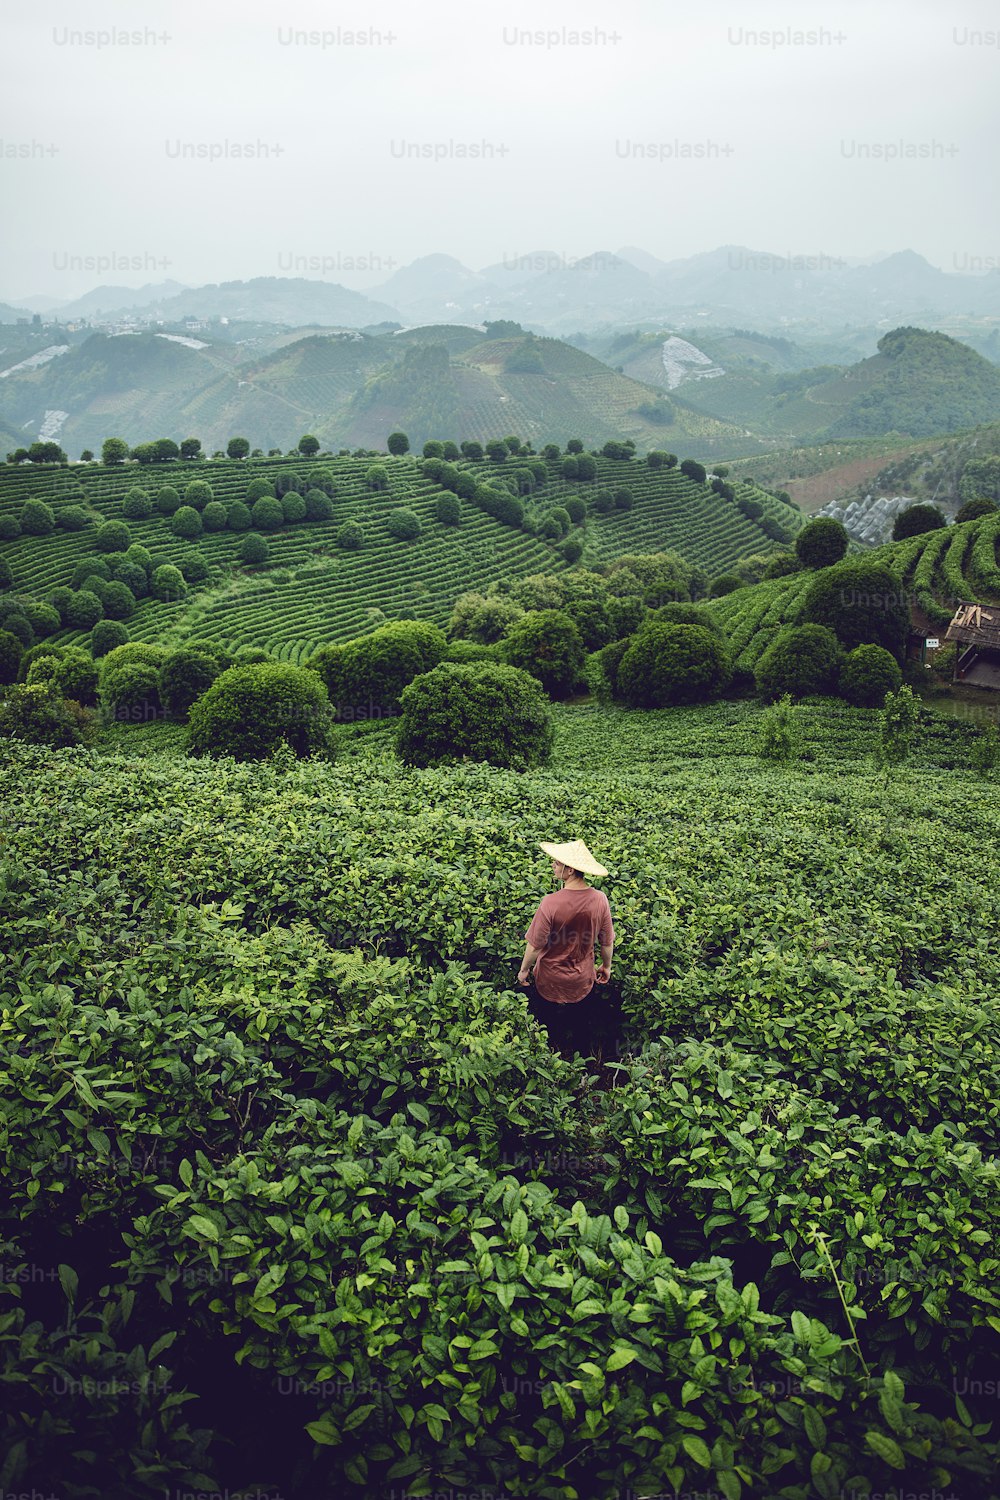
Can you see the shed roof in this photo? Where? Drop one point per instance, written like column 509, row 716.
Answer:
column 975, row 624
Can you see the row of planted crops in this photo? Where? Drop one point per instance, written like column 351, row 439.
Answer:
column 297, row 1200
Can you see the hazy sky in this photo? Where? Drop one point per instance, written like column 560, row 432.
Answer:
column 823, row 131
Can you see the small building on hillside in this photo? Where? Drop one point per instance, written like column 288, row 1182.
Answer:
column 976, row 631
column 922, row 630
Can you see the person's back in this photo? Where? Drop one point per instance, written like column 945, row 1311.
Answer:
column 566, row 927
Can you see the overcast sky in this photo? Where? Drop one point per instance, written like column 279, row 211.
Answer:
column 676, row 128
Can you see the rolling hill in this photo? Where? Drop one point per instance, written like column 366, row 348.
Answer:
column 918, row 384
column 350, row 389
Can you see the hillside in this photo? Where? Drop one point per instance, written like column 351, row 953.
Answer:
column 313, row 591
column 934, row 570
column 349, row 388
column 918, row 384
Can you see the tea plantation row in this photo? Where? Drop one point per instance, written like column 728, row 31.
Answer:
column 314, row 592
column 297, row 1197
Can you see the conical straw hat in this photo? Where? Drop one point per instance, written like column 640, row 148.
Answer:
column 576, row 855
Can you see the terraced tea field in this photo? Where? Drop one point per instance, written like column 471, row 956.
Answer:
column 313, row 591
column 937, row 569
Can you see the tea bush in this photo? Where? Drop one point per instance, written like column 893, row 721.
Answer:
column 479, row 711
column 248, row 710
column 278, row 1123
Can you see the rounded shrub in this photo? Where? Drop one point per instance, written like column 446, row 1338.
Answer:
column 624, row 499
column 133, row 695
column 128, row 681
column 198, row 494
column 915, row 520
column 322, row 479
column 118, row 600
column 71, row 674
column 318, row 505
column 90, row 567
column 974, row 509
column 782, row 564
column 403, row 524
column 257, row 488
column 867, row 674
column 167, row 584
column 106, row 635
column 604, row 502
column 194, row 568
column 821, row 543
column 215, row 651
column 862, row 603
column 293, row 507
column 627, row 612
column 253, row 551
column 602, row 668
column 213, row 517
column 83, row 610
column 249, row 710
column 726, row 583
column 377, row 477
column 184, row 676
column 267, row 514
column 73, row 518
column 138, row 504
column 350, row 536
column 677, row 612
column 37, row 716
column 11, row 651
column 37, row 518
column 547, row 644
column 59, row 598
column 576, row 508
column 572, row 549
column 113, row 536
column 238, row 517
column 10, row 528
column 289, row 482
column 802, row 659
column 95, row 584
column 365, row 677
column 33, row 654
column 133, row 577
column 141, row 556
column 668, row 664
column 43, row 618
column 448, row 509
column 186, row 522
column 17, row 624
column 478, row 711
column 167, row 499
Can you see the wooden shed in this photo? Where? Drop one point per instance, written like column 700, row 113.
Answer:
column 976, row 631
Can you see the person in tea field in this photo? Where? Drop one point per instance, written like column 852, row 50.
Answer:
column 568, row 992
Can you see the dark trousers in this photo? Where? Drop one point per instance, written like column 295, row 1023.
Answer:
column 589, row 1026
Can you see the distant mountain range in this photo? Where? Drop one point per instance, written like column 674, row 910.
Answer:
column 550, row 293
